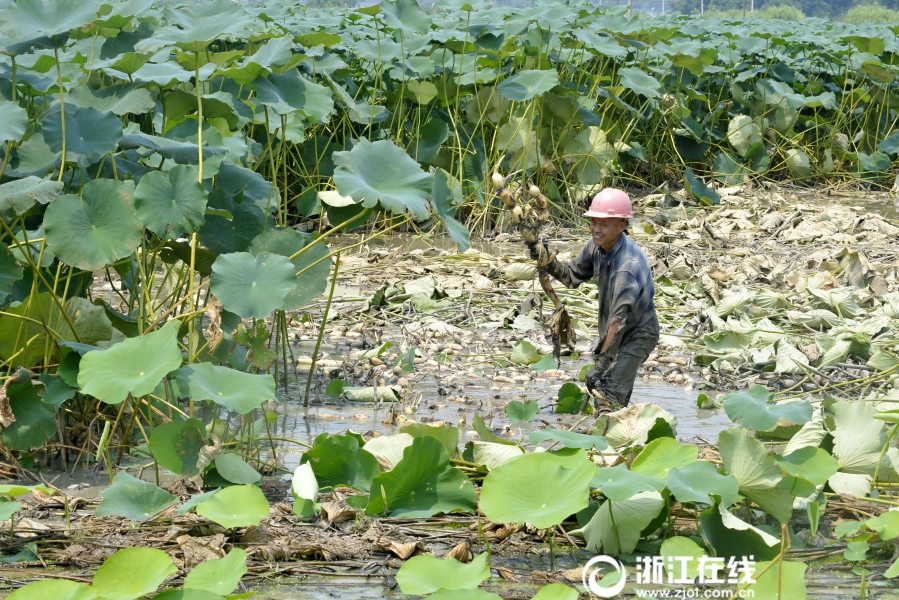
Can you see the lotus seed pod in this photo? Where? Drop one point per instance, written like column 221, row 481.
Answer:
column 516, row 214
column 540, row 200
column 534, row 191
column 498, row 181
column 506, row 196
column 543, row 215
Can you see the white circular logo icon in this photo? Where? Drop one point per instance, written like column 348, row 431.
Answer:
column 590, row 573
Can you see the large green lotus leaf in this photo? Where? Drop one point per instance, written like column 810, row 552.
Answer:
column 426, row 574
column 783, row 580
column 746, row 459
column 631, row 426
column 8, row 508
column 674, row 548
column 615, row 527
column 117, row 99
column 199, row 25
column 422, row 484
column 134, row 366
column 57, row 589
column 639, row 82
column 698, row 481
column 235, row 506
column 442, row 196
column 619, row 483
column 15, row 490
column 509, row 495
column 798, row 163
column 728, row 169
column 383, row 172
column 475, row 594
column 276, row 52
column 19, row 195
column 35, row 420
column 89, row 133
column 859, row 438
column 813, row 464
column 742, row 133
column 569, row 439
column 222, row 235
column 406, row 15
column 176, row 446
column 527, row 84
column 29, row 19
column 15, row 120
column 188, row 594
column 522, row 411
column 27, row 341
column 132, row 573
column 234, row 469
column 291, row 92
column 97, row 229
column 662, row 455
column 755, row 413
column 591, row 155
column 196, row 500
column 287, row 242
column 219, row 575
column 448, row 436
column 10, row 272
column 252, row 286
column 171, row 204
column 133, row 498
column 235, row 390
column 488, row 104
column 340, row 460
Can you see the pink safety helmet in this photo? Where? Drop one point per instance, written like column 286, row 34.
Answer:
column 611, row 203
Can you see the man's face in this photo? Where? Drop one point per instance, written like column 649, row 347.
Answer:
column 605, row 232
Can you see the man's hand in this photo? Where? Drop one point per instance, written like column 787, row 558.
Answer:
column 540, row 253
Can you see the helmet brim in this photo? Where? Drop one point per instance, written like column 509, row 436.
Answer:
column 590, row 214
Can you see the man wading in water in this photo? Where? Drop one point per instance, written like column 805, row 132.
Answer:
column 628, row 325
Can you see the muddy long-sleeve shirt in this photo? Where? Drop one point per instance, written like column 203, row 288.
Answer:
column 626, row 291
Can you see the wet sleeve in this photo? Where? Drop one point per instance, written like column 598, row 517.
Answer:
column 623, row 301
column 577, row 271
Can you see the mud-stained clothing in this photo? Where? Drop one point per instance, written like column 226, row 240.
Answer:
column 628, row 325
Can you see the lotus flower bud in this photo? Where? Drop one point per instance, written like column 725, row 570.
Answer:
column 498, row 181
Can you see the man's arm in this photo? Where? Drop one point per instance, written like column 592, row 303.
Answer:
column 577, row 271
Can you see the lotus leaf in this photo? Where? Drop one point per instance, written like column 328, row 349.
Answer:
column 388, row 449
column 631, row 426
column 509, row 496
column 527, row 84
column 235, row 506
column 443, row 205
column 730, row 536
column 89, row 133
column 757, row 473
column 132, row 573
column 784, row 580
column 427, row 574
column 304, row 488
column 755, row 413
column 31, row 19
column 133, row 498
column 117, row 99
column 220, row 575
column 134, row 366
column 615, row 528
column 493, row 455
column 448, row 436
column 314, row 279
column 556, row 591
column 422, row 484
column 639, row 82
column 19, row 195
column 99, row 228
column 8, row 508
column 591, row 155
column 674, row 550
column 383, row 172
column 699, row 481
column 812, row 464
column 177, row 446
column 569, row 439
column 252, row 286
column 15, row 120
column 10, row 272
column 234, row 469
column 859, row 438
column 340, row 460
column 290, row 92
column 619, row 483
column 34, row 419
column 58, row 589
column 196, row 500
column 522, row 411
column 742, row 133
column 171, row 204
column 235, row 390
